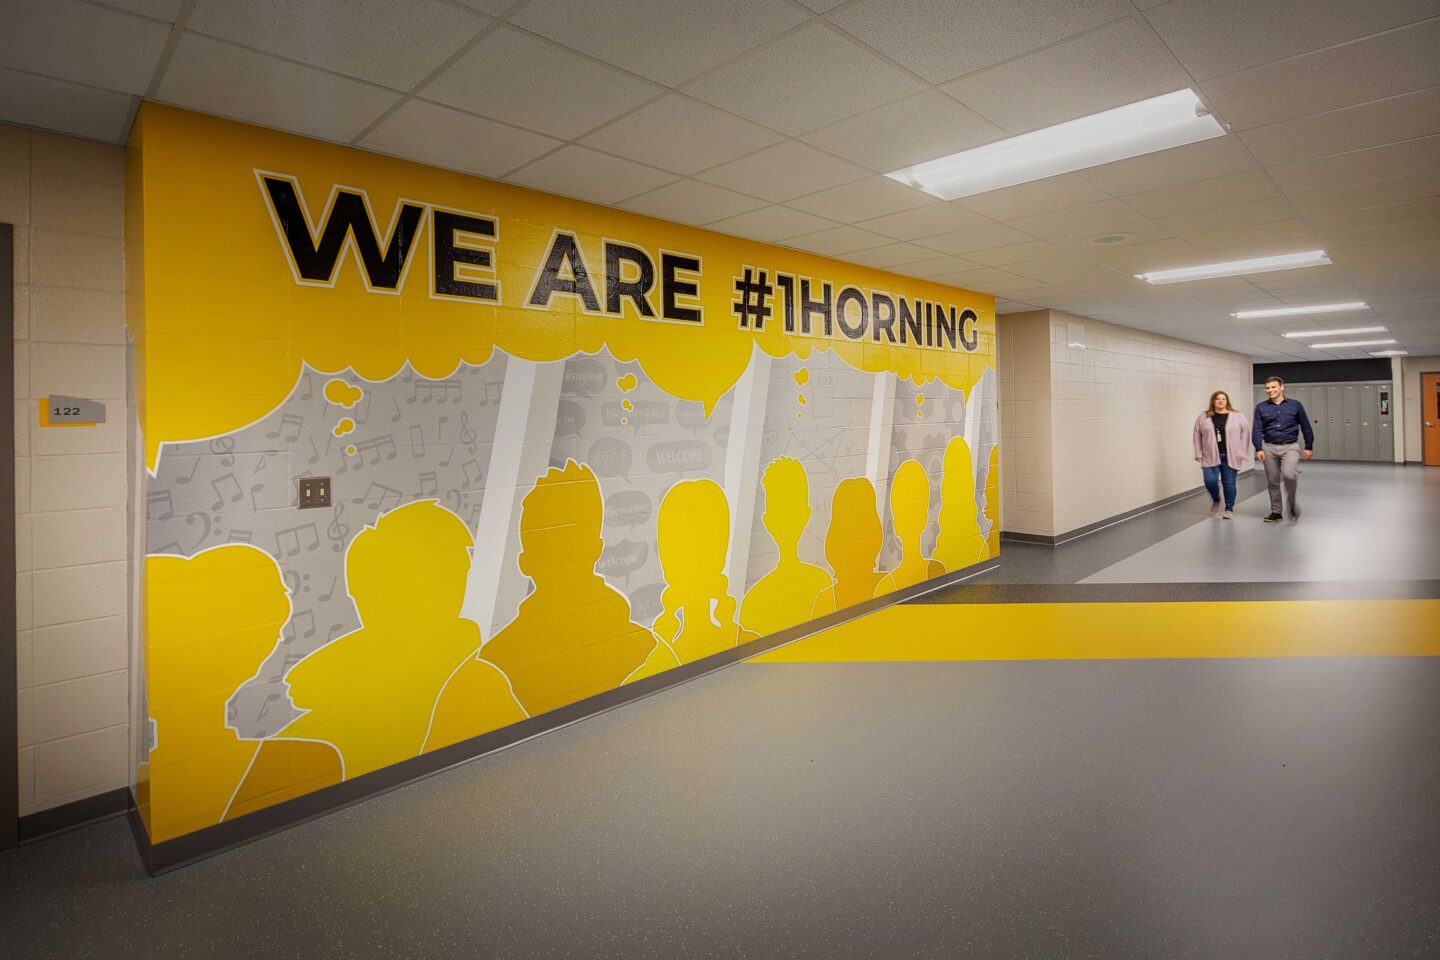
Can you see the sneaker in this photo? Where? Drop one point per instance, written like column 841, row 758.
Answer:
column 1228, row 515
column 1274, row 518
column 1214, row 508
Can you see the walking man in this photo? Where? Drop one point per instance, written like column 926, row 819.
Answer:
column 1278, row 425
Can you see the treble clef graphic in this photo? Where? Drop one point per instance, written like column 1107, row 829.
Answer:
column 467, row 436
column 337, row 530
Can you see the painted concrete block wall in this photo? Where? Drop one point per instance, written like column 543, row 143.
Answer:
column 1023, row 347
column 1097, row 419
column 65, row 198
column 1413, row 426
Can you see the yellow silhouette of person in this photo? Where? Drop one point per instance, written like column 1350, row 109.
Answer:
column 852, row 545
column 909, row 511
column 693, row 532
column 786, row 595
column 212, row 619
column 572, row 637
column 959, row 544
column 372, row 692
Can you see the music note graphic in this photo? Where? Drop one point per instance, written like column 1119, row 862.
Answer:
column 254, row 491
column 314, row 453
column 472, row 473
column 325, row 597
column 191, row 476
column 467, row 436
column 429, row 484
column 492, row 394
column 396, row 418
column 155, row 501
column 376, row 494
column 375, row 446
column 417, row 441
column 225, row 447
column 298, row 536
column 307, row 389
column 241, row 536
column 222, row 495
column 294, row 421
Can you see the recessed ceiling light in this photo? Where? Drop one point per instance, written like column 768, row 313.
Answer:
column 1160, row 123
column 1237, row 268
column 1302, row 334
column 1390, row 353
column 1351, row 343
column 1299, row 311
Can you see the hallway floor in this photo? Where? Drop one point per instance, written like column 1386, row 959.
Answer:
column 1201, row 739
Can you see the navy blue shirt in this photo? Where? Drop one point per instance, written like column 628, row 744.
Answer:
column 1281, row 422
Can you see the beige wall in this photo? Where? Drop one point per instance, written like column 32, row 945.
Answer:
column 1103, row 427
column 65, row 198
column 1414, row 418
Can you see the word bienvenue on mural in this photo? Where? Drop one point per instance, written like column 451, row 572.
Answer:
column 661, row 285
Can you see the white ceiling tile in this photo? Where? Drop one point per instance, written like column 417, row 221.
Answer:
column 690, row 201
column 1214, row 37
column 532, row 83
column 924, row 221
column 1187, row 198
column 1405, row 117
column 1389, row 236
column 1136, row 258
column 1117, row 64
column 1237, row 237
column 837, row 240
column 1013, row 253
column 166, row 10
column 820, row 6
column 960, row 242
column 770, row 224
column 1357, row 195
column 806, row 79
column 65, row 107
column 1191, row 163
column 783, row 171
column 81, row 42
column 1386, row 65
column 1373, row 163
column 863, row 200
column 669, row 41
column 890, row 255
column 1426, row 209
column 574, row 171
column 493, row 7
column 682, row 135
column 393, row 44
column 1039, row 196
column 941, row 40
column 444, row 137
column 933, row 267
column 920, row 127
column 1106, row 216
column 231, row 81
column 1225, row 218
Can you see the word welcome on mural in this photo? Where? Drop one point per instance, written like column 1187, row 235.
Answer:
column 660, row 285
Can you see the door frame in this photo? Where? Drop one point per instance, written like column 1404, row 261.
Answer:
column 9, row 678
column 1424, row 454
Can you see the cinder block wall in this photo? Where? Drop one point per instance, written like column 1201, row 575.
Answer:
column 65, row 198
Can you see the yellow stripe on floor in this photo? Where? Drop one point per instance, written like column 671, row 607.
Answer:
column 1126, row 631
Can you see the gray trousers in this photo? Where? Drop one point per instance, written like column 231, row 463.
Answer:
column 1282, row 462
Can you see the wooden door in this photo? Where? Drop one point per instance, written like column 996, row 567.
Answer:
column 1430, row 411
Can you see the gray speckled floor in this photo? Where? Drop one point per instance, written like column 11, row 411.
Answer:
column 1186, row 809
column 1209, row 809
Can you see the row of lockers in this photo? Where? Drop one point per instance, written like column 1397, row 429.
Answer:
column 1352, row 421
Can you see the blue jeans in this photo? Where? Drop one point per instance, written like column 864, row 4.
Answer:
column 1222, row 476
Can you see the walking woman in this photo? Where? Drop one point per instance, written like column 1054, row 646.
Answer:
column 1221, row 440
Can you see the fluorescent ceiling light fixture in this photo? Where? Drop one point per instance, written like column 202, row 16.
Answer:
column 1351, row 343
column 1302, row 334
column 1390, row 353
column 1157, row 124
column 1299, row 311
column 1237, row 268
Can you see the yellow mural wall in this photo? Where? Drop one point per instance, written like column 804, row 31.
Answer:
column 569, row 447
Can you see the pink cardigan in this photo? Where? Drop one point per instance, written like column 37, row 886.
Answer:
column 1237, row 441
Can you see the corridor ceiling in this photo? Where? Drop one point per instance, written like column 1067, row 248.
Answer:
column 775, row 120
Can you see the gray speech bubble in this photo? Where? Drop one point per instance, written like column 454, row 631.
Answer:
column 569, row 419
column 690, row 414
column 609, row 457
column 584, row 377
column 628, row 508
column 645, row 412
column 646, row 602
column 619, row 560
column 678, row 456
